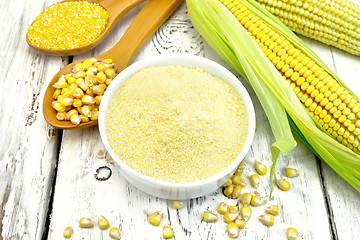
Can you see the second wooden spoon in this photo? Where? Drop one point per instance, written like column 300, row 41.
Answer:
column 154, row 13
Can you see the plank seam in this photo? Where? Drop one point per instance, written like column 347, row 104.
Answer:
column 329, row 211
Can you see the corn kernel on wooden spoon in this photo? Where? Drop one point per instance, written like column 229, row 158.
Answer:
column 115, row 8
column 154, row 13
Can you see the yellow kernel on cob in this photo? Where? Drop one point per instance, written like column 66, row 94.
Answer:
column 155, row 218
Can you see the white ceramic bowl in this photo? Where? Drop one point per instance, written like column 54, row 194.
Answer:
column 178, row 190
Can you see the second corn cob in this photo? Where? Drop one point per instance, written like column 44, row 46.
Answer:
column 335, row 23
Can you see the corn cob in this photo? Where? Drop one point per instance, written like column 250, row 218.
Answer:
column 298, row 91
column 335, row 23
column 328, row 103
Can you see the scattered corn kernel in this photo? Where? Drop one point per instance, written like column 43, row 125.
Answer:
column 233, row 230
column 256, row 201
column 177, row 204
column 229, row 190
column 223, row 208
column 236, row 192
column 237, row 180
column 67, row 232
column 273, row 209
column 291, row 172
column 233, row 209
column 114, row 233
column 255, row 180
column 240, row 222
column 260, row 168
column 210, row 217
column 86, row 222
column 291, row 233
column 245, row 213
column 155, row 218
column 168, row 232
column 283, row 184
column 230, row 217
column 228, row 183
column 239, row 171
column 103, row 222
column 267, row 219
column 246, row 199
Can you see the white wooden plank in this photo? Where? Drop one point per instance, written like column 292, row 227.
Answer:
column 28, row 149
column 78, row 194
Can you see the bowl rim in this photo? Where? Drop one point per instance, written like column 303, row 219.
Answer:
column 187, row 60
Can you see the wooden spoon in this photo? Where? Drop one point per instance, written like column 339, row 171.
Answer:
column 154, row 13
column 116, row 9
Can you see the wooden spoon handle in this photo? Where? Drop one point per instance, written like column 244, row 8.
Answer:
column 154, row 13
column 117, row 8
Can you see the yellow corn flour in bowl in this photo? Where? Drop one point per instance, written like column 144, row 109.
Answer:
column 176, row 124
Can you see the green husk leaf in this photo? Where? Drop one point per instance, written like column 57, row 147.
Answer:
column 229, row 38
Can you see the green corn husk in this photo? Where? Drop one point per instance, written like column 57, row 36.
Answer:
column 284, row 111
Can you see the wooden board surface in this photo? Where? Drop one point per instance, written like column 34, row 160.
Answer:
column 37, row 160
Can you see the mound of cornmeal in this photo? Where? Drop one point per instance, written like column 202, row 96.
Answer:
column 176, row 124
